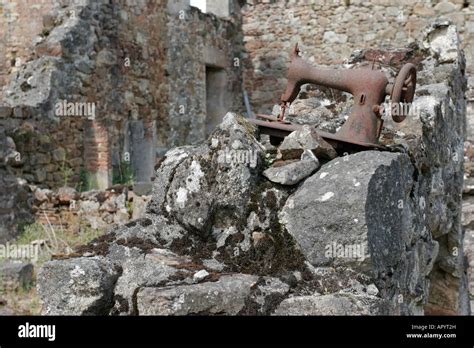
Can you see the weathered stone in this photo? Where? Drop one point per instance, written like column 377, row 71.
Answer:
column 41, row 195
column 66, row 195
column 190, row 197
column 333, row 304
column 355, row 212
column 225, row 296
column 332, row 38
column 142, row 188
column 305, row 138
column 140, row 271
column 6, row 312
column 16, row 275
column 200, row 275
column 423, row 10
column 442, row 39
column 157, row 229
column 434, row 137
column 316, row 108
column 42, row 159
column 49, row 48
column 59, row 154
column 291, row 173
column 15, row 195
column 139, row 206
column 79, row 286
column 40, row 175
column 212, row 209
column 142, row 154
column 266, row 295
column 468, row 213
column 85, row 66
column 5, row 111
column 105, row 58
column 121, row 217
column 89, row 206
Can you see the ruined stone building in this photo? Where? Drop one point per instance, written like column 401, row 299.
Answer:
column 161, row 74
column 143, row 65
column 93, row 93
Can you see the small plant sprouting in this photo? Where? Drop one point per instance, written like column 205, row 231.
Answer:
column 66, row 172
column 123, row 174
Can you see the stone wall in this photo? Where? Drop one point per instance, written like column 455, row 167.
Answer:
column 16, row 199
column 199, row 44
column 91, row 54
column 328, row 31
column 139, row 64
column 21, row 23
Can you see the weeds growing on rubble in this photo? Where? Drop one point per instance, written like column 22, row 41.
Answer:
column 52, row 240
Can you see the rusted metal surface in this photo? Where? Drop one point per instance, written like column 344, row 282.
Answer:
column 369, row 88
column 270, row 125
column 403, row 90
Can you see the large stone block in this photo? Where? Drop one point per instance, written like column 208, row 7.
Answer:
column 79, row 286
column 16, row 275
column 155, row 269
column 360, row 211
column 333, row 304
column 206, row 180
column 226, row 296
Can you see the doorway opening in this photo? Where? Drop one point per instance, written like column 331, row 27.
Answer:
column 216, row 97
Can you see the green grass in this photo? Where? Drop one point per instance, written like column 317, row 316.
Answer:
column 123, row 174
column 25, row 301
column 58, row 240
column 66, row 172
column 21, row 302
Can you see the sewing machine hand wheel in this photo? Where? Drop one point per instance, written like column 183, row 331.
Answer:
column 403, row 91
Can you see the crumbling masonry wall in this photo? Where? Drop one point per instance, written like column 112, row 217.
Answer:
column 195, row 43
column 141, row 64
column 21, row 23
column 328, row 31
column 82, row 57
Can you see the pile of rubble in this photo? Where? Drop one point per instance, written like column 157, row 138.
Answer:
column 96, row 208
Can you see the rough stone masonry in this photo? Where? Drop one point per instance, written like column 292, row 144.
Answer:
column 126, row 60
column 374, row 232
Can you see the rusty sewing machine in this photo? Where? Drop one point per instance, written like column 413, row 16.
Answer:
column 369, row 88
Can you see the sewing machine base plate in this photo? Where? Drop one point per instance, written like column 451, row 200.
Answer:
column 277, row 130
